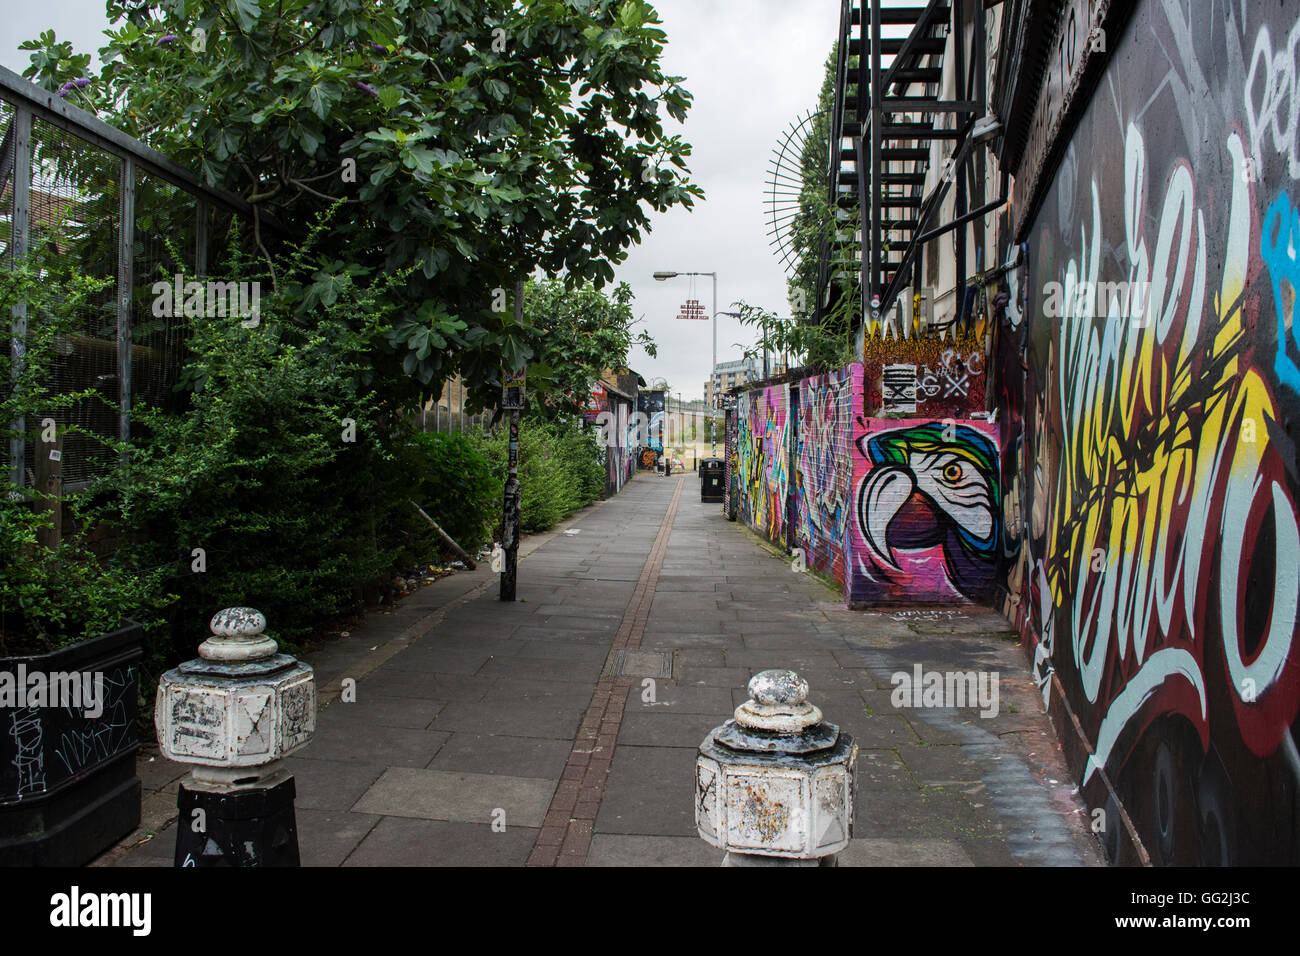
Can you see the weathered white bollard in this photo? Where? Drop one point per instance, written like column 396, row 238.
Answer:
column 774, row 785
column 234, row 713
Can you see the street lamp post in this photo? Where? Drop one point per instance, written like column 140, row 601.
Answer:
column 660, row 277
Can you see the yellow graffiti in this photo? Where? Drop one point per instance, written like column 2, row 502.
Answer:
column 1147, row 446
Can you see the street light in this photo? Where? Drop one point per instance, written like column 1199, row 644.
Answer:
column 663, row 275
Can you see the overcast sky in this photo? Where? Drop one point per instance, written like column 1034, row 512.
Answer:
column 753, row 67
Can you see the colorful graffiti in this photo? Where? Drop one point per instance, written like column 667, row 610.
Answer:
column 824, row 429
column 731, row 482
column 927, row 509
column 763, row 459
column 1151, row 458
column 650, row 406
column 926, row 377
column 597, row 403
column 894, row 510
column 620, row 459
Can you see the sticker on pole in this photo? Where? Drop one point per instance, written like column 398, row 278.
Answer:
column 512, row 390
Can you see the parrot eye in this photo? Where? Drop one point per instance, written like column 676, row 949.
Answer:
column 952, row 472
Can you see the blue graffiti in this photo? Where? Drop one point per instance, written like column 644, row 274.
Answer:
column 1279, row 241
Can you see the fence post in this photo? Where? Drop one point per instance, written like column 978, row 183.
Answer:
column 510, row 518
column 125, row 283
column 22, row 127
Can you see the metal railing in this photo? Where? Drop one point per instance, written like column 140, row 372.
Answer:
column 83, row 192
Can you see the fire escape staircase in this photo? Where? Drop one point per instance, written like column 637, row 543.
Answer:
column 888, row 115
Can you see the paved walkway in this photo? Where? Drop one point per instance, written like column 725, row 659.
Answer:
column 508, row 734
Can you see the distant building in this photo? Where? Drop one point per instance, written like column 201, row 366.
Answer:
column 738, row 372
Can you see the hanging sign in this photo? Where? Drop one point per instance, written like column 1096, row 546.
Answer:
column 692, row 310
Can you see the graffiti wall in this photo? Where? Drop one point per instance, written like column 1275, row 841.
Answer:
column 619, row 458
column 763, row 428
column 1152, row 406
column 926, row 511
column 650, row 405
column 927, row 377
column 823, row 480
column 731, row 495
column 896, row 510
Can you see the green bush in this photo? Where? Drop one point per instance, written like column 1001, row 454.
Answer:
column 282, row 469
column 53, row 597
column 580, row 452
column 260, row 475
column 559, row 469
column 451, row 480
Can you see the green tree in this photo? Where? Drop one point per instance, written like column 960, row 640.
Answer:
column 818, row 347
column 472, row 144
column 576, row 334
column 814, row 223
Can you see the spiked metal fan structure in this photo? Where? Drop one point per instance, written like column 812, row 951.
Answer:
column 784, row 184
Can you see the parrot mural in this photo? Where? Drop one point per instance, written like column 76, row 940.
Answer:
column 931, row 491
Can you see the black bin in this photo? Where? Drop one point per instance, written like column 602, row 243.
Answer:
column 711, row 477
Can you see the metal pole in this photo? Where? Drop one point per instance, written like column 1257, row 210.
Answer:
column 201, row 238
column 712, row 369
column 872, row 289
column 959, row 209
column 126, row 281
column 22, row 126
column 510, row 518
column 715, row 322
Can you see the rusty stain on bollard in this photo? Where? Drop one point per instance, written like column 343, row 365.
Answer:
column 767, row 818
column 774, row 785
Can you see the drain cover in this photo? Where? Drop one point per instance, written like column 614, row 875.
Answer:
column 642, row 664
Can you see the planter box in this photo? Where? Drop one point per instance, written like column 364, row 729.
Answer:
column 68, row 787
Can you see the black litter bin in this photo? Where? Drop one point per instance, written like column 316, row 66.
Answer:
column 711, row 477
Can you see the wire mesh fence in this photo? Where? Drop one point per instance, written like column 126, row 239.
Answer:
column 80, row 197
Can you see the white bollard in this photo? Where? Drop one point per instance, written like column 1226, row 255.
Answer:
column 774, row 785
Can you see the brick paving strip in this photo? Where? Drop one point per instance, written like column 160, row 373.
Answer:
column 565, row 837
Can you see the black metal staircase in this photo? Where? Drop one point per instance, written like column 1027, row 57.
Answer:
column 889, row 114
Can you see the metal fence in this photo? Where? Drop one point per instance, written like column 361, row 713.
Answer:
column 87, row 195
column 440, row 418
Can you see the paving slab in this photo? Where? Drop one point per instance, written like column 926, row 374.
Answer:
column 617, row 849
column 651, row 792
column 396, row 841
column 522, row 716
column 458, row 797
column 372, row 743
column 501, row 754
